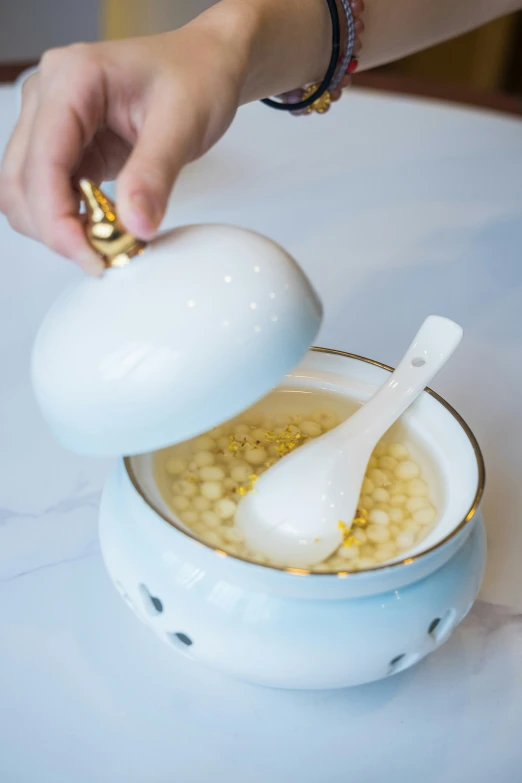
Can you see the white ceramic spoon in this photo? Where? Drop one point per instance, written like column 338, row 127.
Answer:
column 293, row 514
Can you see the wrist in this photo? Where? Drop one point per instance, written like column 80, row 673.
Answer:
column 286, row 44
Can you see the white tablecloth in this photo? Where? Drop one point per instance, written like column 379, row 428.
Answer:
column 396, row 209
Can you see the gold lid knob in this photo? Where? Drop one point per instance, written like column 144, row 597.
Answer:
column 104, row 231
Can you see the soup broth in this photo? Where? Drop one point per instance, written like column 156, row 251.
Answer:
column 204, row 479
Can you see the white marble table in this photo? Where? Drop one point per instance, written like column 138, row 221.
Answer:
column 396, row 208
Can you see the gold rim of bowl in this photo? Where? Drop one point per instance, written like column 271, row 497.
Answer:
column 343, row 574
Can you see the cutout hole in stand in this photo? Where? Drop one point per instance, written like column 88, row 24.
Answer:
column 181, row 641
column 418, row 362
column 441, row 627
column 401, row 662
column 153, row 605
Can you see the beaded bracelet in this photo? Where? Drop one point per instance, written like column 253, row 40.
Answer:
column 318, row 98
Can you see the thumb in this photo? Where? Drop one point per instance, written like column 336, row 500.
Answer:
column 146, row 181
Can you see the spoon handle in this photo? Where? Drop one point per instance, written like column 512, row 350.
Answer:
column 431, row 348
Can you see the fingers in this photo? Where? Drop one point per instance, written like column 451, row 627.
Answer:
column 87, row 108
column 165, row 142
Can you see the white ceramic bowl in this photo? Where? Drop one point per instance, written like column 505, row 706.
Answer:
column 292, row 629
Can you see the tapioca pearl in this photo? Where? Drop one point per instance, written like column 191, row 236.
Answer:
column 204, row 458
column 216, row 433
column 373, row 463
column 230, row 485
column 417, row 488
column 378, row 477
column 233, row 535
column 227, row 459
column 405, row 540
column 385, row 552
column 255, row 455
column 212, row 490
column 180, row 502
column 199, row 528
column 407, row 470
column 396, row 514
column 225, row 508
column 380, row 449
column 378, row 534
column 394, row 529
column 367, row 486
column 388, row 463
column 310, row 428
column 281, row 420
column 189, row 517
column 326, row 419
column 175, row 466
column 210, row 519
column 193, row 466
column 273, row 451
column 398, row 451
column 381, row 495
column 397, row 501
column 379, row 517
column 337, row 564
column 201, row 504
column 212, row 473
column 360, row 535
column 223, row 443
column 241, row 432
column 205, row 443
column 367, row 502
column 184, row 487
column 365, row 562
column 348, row 552
column 424, row 516
column 411, row 527
column 240, row 472
column 258, row 435
column 398, row 488
column 366, row 550
column 414, row 504
column 212, row 538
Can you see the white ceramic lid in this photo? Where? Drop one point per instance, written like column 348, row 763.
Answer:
column 187, row 335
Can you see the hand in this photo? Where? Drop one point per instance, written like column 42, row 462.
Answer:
column 140, row 108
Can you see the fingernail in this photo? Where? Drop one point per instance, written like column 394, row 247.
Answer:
column 145, row 211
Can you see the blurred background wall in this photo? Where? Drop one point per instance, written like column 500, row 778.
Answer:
column 488, row 59
column 28, row 27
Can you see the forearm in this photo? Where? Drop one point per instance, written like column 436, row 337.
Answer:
column 396, row 28
column 288, row 43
